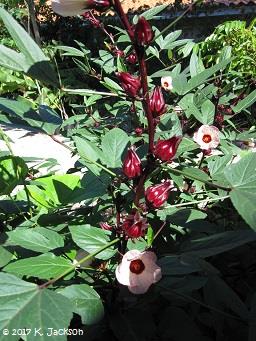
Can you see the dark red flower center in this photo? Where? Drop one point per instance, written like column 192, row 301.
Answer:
column 207, row 138
column 166, row 84
column 137, row 266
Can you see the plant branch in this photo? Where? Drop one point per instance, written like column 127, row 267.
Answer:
column 73, row 267
column 176, row 20
column 140, row 51
column 211, row 184
column 145, row 102
column 197, row 202
column 189, row 298
column 123, row 17
column 84, row 157
column 32, row 17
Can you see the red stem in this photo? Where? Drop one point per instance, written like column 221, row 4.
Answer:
column 145, row 101
column 140, row 51
column 119, row 9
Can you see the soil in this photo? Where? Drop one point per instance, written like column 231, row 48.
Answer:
column 137, row 5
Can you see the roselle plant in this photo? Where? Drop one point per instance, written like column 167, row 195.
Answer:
column 134, row 241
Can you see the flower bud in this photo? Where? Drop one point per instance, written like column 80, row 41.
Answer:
column 132, row 164
column 119, row 53
column 88, row 16
column 134, row 225
column 68, row 8
column 165, row 150
column 129, row 83
column 105, row 226
column 132, row 58
column 157, row 195
column 138, row 131
column 143, row 32
column 157, row 103
column 219, row 119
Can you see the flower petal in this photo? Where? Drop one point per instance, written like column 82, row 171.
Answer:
column 68, row 7
column 142, row 281
column 123, row 273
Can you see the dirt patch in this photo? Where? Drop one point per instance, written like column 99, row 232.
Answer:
column 139, row 5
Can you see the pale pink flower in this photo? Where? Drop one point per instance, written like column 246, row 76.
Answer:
column 166, row 83
column 207, row 137
column 68, row 8
column 138, row 270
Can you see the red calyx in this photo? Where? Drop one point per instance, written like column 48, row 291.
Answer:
column 119, row 53
column 165, row 150
column 143, row 32
column 157, row 195
column 157, row 103
column 138, row 131
column 90, row 17
column 129, row 83
column 132, row 58
column 132, row 164
column 134, row 225
column 105, row 226
column 100, row 5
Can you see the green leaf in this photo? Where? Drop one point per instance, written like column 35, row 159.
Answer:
column 56, row 190
column 196, row 173
column 204, row 75
column 172, row 45
column 208, row 112
column 38, row 239
column 45, row 266
column 192, row 110
column 111, row 85
column 179, row 83
column 89, row 152
column 5, row 256
column 138, row 244
column 37, row 64
column 152, row 12
column 242, row 177
column 186, row 145
column 252, row 319
column 22, row 39
column 86, row 92
column 175, row 332
column 91, row 239
column 195, row 65
column 225, row 53
column 13, row 170
column 171, row 37
column 45, row 119
column 121, row 67
column 178, row 265
column 217, row 243
column 24, row 305
column 222, row 295
column 87, row 303
column 113, row 145
column 182, row 284
column 217, row 164
column 245, row 103
column 186, row 49
column 70, row 51
column 11, row 59
column 181, row 216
